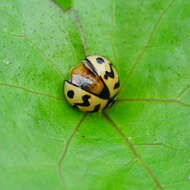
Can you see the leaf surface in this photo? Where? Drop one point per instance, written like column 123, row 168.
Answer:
column 142, row 142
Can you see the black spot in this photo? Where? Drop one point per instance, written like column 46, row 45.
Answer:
column 99, row 60
column 109, row 74
column 96, row 108
column 85, row 101
column 117, row 85
column 70, row 93
column 105, row 94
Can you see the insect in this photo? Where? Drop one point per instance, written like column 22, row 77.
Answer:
column 93, row 86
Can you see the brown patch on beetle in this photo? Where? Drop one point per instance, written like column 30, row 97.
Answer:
column 84, row 78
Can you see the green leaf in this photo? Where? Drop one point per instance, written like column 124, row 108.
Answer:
column 142, row 142
column 65, row 4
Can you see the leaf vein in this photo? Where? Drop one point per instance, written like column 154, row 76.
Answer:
column 154, row 100
column 68, row 143
column 134, row 152
column 152, row 33
column 31, row 91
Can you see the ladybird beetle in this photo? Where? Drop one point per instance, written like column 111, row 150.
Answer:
column 93, row 86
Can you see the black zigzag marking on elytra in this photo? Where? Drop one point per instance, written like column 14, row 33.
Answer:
column 96, row 108
column 109, row 74
column 117, row 85
column 85, row 102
